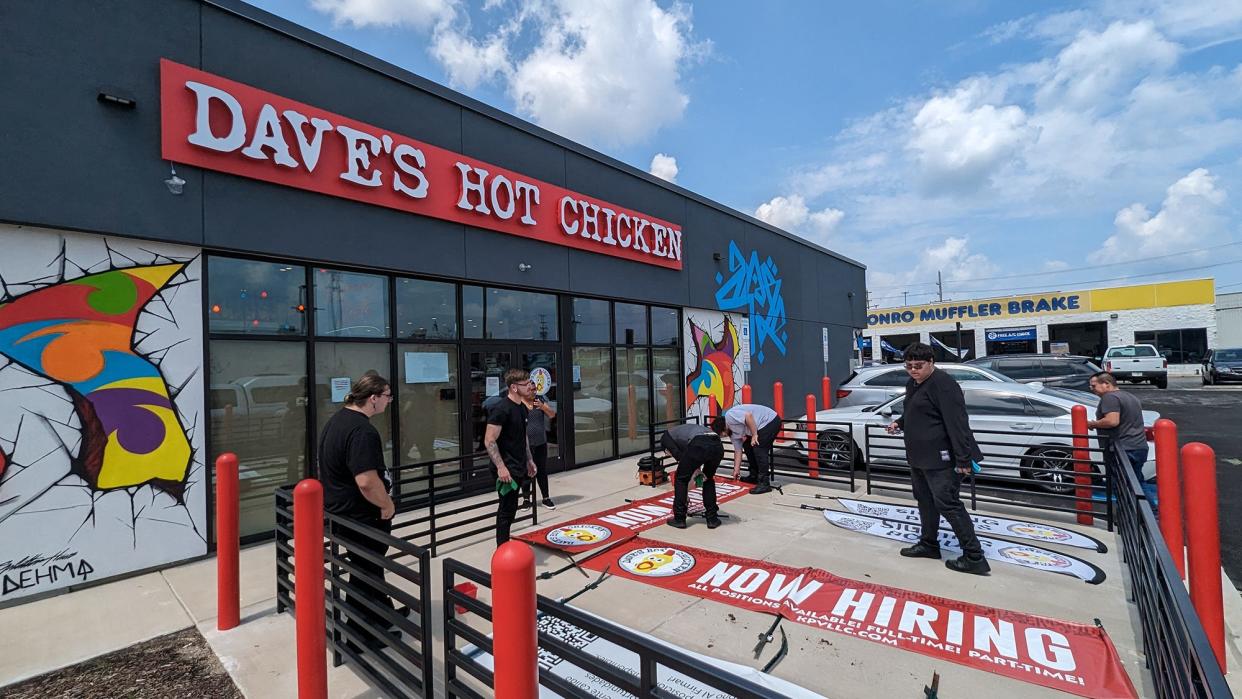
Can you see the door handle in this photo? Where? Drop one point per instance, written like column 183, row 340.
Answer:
column 1022, row 426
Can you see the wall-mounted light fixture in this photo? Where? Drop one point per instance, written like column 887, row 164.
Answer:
column 717, row 256
column 175, row 184
column 1112, row 316
column 116, row 98
column 523, row 267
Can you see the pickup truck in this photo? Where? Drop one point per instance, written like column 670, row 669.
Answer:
column 1137, row 363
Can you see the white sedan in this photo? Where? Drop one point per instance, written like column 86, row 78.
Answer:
column 1033, row 423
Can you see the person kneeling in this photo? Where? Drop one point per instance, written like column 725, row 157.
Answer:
column 694, row 447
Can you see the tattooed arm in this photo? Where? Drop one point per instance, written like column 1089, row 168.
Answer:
column 493, row 452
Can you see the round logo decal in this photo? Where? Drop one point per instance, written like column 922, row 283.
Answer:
column 1039, row 532
column 1035, row 557
column 579, row 535
column 543, row 380
column 657, row 562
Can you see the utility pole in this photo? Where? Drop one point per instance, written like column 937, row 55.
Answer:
column 905, row 298
column 939, row 286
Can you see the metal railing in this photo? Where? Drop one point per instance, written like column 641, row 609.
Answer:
column 466, row 676
column 1036, row 474
column 835, row 455
column 390, row 645
column 1179, row 656
column 450, row 499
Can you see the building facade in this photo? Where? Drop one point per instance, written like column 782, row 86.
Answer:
column 1179, row 318
column 214, row 220
column 1229, row 320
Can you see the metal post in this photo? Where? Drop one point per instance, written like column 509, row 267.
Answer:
column 826, row 391
column 308, row 589
column 746, row 393
column 1082, row 469
column 1203, row 543
column 1169, row 491
column 812, row 436
column 778, row 403
column 513, row 622
column 960, row 353
column 228, row 586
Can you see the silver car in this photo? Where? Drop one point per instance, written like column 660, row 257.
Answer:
column 875, row 385
column 1034, row 420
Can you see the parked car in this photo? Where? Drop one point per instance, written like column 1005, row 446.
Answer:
column 1057, row 370
column 1222, row 365
column 1136, row 364
column 1027, row 414
column 874, row 385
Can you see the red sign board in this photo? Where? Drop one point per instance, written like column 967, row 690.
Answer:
column 1075, row 658
column 217, row 124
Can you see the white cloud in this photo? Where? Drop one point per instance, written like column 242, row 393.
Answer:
column 792, row 214
column 1055, row 265
column 1188, row 218
column 1097, row 67
column 415, row 14
column 664, row 167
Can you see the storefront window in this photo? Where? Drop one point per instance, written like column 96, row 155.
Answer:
column 666, row 374
column 337, row 366
column 591, row 322
column 633, row 400
column 592, row 374
column 257, row 401
column 631, row 324
column 1185, row 346
column 665, row 326
column 472, row 311
column 428, row 402
column 349, row 304
column 264, row 298
column 426, row 310
column 521, row 315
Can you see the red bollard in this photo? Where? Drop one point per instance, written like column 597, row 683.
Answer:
column 1169, row 491
column 812, row 437
column 228, row 544
column 513, row 622
column 669, row 408
column 746, row 395
column 778, row 404
column 632, row 396
column 1082, row 469
column 1203, row 543
column 308, row 589
column 826, row 391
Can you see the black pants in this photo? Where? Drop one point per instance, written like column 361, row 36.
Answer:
column 538, row 452
column 369, row 580
column 936, row 491
column 705, row 452
column 759, row 458
column 507, row 510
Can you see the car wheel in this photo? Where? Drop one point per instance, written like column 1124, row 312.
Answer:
column 836, row 450
column 1161, row 383
column 1051, row 469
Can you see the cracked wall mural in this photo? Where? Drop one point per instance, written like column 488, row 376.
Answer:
column 713, row 359
column 101, row 452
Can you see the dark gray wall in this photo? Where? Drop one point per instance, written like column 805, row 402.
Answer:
column 74, row 162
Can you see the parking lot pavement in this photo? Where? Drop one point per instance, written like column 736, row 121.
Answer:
column 1209, row 414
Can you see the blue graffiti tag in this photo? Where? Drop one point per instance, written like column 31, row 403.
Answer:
column 756, row 288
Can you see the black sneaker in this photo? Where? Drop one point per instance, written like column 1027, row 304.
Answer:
column 678, row 523
column 547, row 502
column 761, row 489
column 966, row 564
column 713, row 522
column 921, row 550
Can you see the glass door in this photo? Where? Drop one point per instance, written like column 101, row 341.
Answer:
column 485, row 370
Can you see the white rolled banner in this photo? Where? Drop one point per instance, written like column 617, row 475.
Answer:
column 984, row 524
column 993, row 549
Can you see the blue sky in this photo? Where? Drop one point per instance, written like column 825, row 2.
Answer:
column 1010, row 146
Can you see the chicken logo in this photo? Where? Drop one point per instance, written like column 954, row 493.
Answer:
column 659, row 562
column 1035, row 557
column 1038, row 532
column 579, row 535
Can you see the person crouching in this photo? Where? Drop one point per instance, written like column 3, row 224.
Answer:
column 694, row 447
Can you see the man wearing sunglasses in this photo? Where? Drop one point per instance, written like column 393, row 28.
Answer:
column 939, row 448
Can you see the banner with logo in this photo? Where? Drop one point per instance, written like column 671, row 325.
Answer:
column 671, row 681
column 1071, row 657
column 993, row 549
column 624, row 522
column 984, row 524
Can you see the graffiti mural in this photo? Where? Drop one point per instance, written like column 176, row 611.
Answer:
column 755, row 288
column 713, row 359
column 101, row 467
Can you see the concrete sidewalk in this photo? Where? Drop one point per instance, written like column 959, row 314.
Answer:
column 260, row 654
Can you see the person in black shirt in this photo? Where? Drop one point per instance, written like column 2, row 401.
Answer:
column 694, row 447
column 940, row 448
column 506, row 444
column 355, row 485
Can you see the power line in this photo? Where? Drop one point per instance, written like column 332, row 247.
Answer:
column 1110, row 279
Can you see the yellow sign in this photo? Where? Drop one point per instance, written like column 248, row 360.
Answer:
column 1026, row 308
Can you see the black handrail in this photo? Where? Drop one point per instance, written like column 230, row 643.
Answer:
column 651, row 654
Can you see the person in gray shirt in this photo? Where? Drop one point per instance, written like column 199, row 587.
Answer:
column 1119, row 416
column 541, row 411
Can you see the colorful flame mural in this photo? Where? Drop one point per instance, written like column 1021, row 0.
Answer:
column 80, row 334
column 712, row 375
